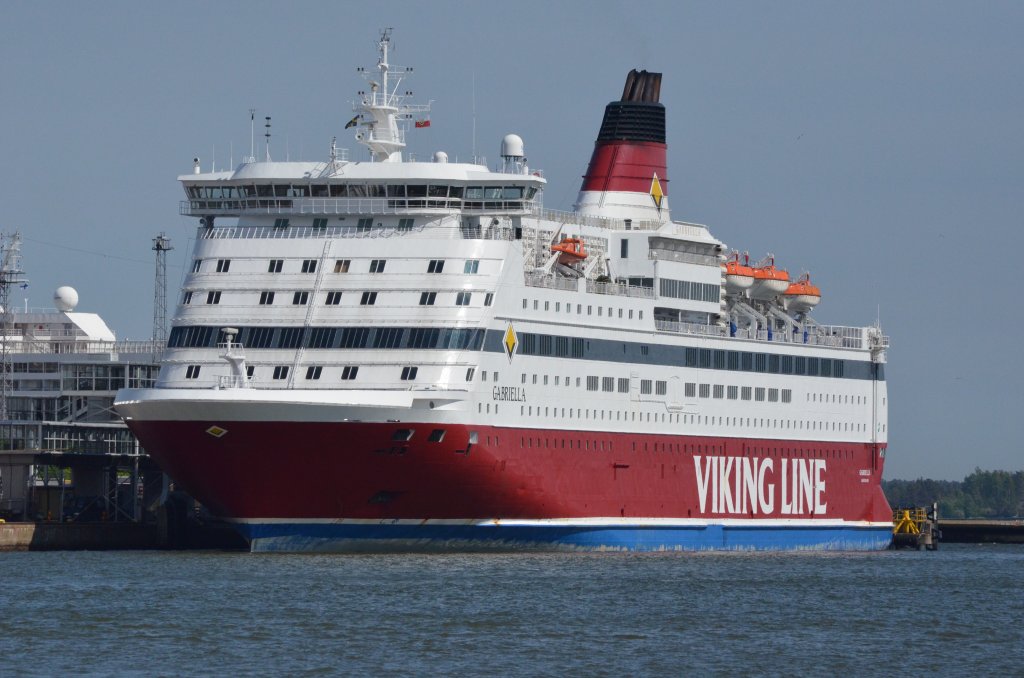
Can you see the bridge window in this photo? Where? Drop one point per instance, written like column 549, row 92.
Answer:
column 309, row 266
column 313, row 371
column 280, row 372
column 435, row 266
column 192, row 372
column 349, row 372
column 275, row 266
column 333, row 298
column 266, row 298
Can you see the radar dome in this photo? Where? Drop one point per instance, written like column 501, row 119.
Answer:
column 441, row 157
column 512, row 146
column 65, row 298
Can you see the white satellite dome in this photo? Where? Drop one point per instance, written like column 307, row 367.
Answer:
column 512, row 146
column 65, row 298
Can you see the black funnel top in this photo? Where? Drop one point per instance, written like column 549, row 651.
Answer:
column 637, row 116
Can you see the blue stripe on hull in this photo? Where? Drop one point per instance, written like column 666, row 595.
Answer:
column 327, row 537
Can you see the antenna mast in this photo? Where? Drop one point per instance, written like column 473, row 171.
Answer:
column 161, row 245
column 252, row 135
column 10, row 274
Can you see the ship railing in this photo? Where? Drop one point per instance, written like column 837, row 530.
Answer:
column 234, row 381
column 40, row 346
column 577, row 219
column 689, row 328
column 351, row 206
column 596, row 287
column 662, row 254
column 551, row 282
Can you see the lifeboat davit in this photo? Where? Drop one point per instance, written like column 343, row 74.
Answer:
column 802, row 296
column 769, row 282
column 738, row 277
column 571, row 251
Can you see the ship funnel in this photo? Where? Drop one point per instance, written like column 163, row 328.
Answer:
column 626, row 176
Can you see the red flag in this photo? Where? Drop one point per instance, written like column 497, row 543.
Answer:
column 422, row 123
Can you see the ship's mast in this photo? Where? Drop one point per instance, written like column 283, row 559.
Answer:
column 383, row 113
column 161, row 245
column 10, row 275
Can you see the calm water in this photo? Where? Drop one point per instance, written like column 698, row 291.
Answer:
column 960, row 610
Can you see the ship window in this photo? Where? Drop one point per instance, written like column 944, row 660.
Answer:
column 314, row 371
column 213, row 297
column 368, row 299
column 333, row 298
column 321, row 337
column 416, row 191
column 760, row 362
column 377, row 265
column 427, row 298
column 364, row 224
column 826, row 367
column 773, row 395
column 787, row 364
column 320, row 223
column 402, row 434
column 705, row 357
column 471, row 266
column 196, row 265
column 463, row 298
column 624, row 248
column 759, row 394
column 745, row 393
column 289, row 337
column 260, row 337
column 623, row 384
column 608, row 384
column 691, row 389
column 661, row 388
column 266, row 298
column 733, row 360
column 192, row 372
column 349, row 372
column 388, row 337
column 275, row 266
column 300, row 298
column 405, row 224
column 435, row 266
column 341, row 265
column 691, row 357
column 592, row 383
column 396, row 191
column 249, row 370
column 280, row 223
column 645, row 386
column 280, row 372
column 223, row 265
column 800, row 365
column 436, row 436
column 732, row 392
column 469, row 373
column 747, row 360
column 186, row 298
column 318, row 191
column 309, row 266
column 409, row 373
column 488, row 298
column 705, row 390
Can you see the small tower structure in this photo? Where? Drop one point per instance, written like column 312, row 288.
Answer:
column 161, row 245
column 10, row 275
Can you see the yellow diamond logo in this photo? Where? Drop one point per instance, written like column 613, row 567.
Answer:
column 510, row 342
column 656, row 191
column 217, row 431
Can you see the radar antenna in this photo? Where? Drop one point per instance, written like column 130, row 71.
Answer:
column 161, row 245
column 10, row 275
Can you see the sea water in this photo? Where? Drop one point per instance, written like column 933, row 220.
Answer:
column 959, row 610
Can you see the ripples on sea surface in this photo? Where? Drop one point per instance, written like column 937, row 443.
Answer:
column 958, row 610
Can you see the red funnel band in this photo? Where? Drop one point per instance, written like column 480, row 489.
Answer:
column 627, row 166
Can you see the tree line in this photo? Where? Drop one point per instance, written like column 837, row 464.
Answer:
column 982, row 494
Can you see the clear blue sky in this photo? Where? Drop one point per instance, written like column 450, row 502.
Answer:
column 877, row 145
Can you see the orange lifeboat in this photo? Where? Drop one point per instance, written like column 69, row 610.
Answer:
column 769, row 282
column 738, row 277
column 571, row 251
column 802, row 296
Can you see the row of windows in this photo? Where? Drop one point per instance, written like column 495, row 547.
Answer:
column 360, row 191
column 313, row 372
column 678, row 448
column 695, row 419
column 695, row 291
column 333, row 298
column 455, row 338
column 705, row 358
column 469, row 266
column 579, row 309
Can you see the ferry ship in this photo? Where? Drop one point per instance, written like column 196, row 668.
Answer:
column 397, row 355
